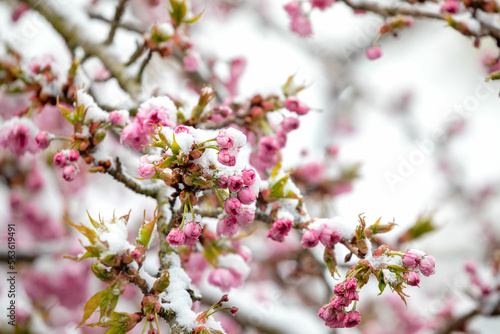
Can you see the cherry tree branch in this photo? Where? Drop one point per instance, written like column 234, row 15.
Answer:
column 74, row 38
column 120, row 9
column 120, row 175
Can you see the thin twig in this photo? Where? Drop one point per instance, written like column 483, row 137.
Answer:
column 120, row 9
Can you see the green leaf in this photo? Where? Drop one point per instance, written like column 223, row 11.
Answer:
column 65, row 112
column 178, row 11
column 87, row 232
column 194, row 18
column 146, row 231
column 381, row 282
column 278, row 188
column 92, row 305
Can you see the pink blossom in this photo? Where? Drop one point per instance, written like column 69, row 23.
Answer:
column 192, row 230
column 227, row 158
column 34, row 180
column 352, row 319
column 196, row 266
column 237, row 68
column 450, row 6
column 339, row 289
column 373, row 52
column 235, row 183
column 69, row 172
column 280, row 229
column 73, row 155
column 60, row 159
column 225, row 278
column 246, row 196
column 427, row 265
column 293, row 8
column 42, row 140
column 281, row 139
column 312, row 172
column 176, row 237
column 293, row 104
column 332, row 150
column 246, row 216
column 411, row 278
column 351, row 295
column 338, row 303
column 301, row 25
column 232, row 206
column 337, row 322
column 310, row 239
column 116, row 118
column 248, row 176
column 227, row 226
column 321, row 4
column 351, row 284
column 268, row 147
column 410, row 260
column 223, row 181
column 19, row 139
column 146, row 170
column 326, row 313
column 133, row 136
column 224, row 140
column 470, row 267
column 191, row 62
column 290, row 124
column 329, row 236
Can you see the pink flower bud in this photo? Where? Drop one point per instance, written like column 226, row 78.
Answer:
column 293, row 104
column 246, row 216
column 42, row 139
column 224, row 140
column 352, row 319
column 176, row 237
column 116, row 118
column 248, row 176
column 290, row 124
column 232, row 206
column 246, row 196
column 339, row 289
column 280, row 229
column 410, row 260
column 227, row 158
column 373, row 52
column 329, row 236
column 192, row 230
column 136, row 254
column 411, row 278
column 470, row 267
column 191, row 62
column 427, row 265
column 223, row 181
column 190, row 241
column 338, row 322
column 351, row 284
column 69, row 172
column 268, row 147
column 181, row 129
column 321, row 4
column 310, row 239
column 60, row 159
column 351, row 295
column 227, row 226
column 73, row 155
column 293, row 8
column 146, row 171
column 235, row 183
column 338, row 303
column 332, row 150
column 301, row 25
column 326, row 313
column 450, row 6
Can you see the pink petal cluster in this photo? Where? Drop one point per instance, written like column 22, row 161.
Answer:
column 328, row 236
column 321, row 4
column 334, row 313
column 295, row 105
column 299, row 24
column 450, row 6
column 426, row 264
column 187, row 236
column 236, row 70
column 230, row 147
column 156, row 112
column 18, row 139
column 226, row 278
column 67, row 161
column 280, row 229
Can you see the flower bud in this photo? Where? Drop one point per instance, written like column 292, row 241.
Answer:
column 427, row 265
column 352, row 319
column 248, row 176
column 147, row 171
column 60, row 159
column 294, row 105
column 176, row 237
column 235, row 183
column 411, row 278
column 310, row 239
column 232, row 206
column 246, row 196
column 330, row 236
column 227, row 158
column 73, row 155
column 373, row 52
column 42, row 140
column 192, row 230
column 410, row 260
column 69, row 172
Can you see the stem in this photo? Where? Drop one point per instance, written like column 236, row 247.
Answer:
column 120, row 8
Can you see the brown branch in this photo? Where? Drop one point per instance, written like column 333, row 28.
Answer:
column 74, row 38
column 123, row 25
column 129, row 182
column 120, row 9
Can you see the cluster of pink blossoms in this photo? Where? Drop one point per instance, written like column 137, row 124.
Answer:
column 237, row 215
column 156, row 111
column 425, row 263
column 450, row 6
column 334, row 313
column 328, row 236
column 300, row 22
column 187, row 236
column 230, row 147
column 67, row 161
column 18, row 136
column 280, row 229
